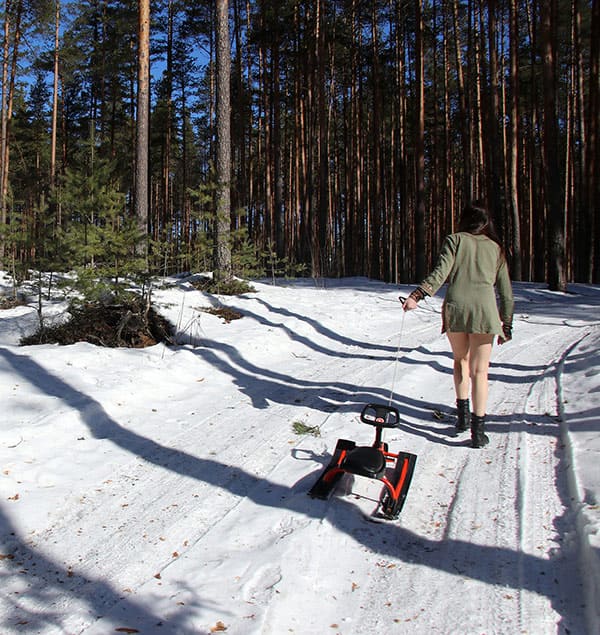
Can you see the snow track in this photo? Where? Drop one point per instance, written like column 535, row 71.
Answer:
column 193, row 517
column 479, row 521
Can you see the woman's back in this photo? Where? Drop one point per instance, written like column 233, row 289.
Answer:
column 473, row 265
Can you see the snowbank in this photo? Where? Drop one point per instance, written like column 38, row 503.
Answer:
column 580, row 404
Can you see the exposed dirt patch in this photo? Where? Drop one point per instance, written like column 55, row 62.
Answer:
column 130, row 324
column 7, row 302
column 223, row 312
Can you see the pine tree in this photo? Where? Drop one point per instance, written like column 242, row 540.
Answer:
column 222, row 265
column 100, row 237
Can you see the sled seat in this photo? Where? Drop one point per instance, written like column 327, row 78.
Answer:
column 365, row 461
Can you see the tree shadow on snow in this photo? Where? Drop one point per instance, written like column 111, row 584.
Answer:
column 46, row 582
column 46, row 579
column 263, row 385
column 319, row 328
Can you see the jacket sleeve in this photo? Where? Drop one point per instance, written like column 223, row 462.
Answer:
column 444, row 265
column 505, row 294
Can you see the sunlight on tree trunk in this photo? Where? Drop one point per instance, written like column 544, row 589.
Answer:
column 222, row 254
column 143, row 127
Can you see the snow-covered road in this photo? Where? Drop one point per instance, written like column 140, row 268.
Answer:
column 165, row 491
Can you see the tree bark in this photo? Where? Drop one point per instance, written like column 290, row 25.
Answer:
column 4, row 123
column 222, row 250
column 55, row 99
column 143, row 128
column 420, row 247
column 515, row 141
column 8, row 92
column 592, row 153
column 556, row 237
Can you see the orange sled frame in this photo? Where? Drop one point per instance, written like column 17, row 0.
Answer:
column 395, row 471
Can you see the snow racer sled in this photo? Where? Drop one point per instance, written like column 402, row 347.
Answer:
column 375, row 461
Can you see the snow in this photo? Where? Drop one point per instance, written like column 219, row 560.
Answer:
column 164, row 490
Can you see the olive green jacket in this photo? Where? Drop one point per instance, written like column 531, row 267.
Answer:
column 475, row 269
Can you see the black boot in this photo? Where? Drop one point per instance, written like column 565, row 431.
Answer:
column 478, row 437
column 463, row 412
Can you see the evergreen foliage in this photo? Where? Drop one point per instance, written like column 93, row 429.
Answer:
column 324, row 136
column 99, row 234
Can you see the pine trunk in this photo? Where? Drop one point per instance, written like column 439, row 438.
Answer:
column 143, row 128
column 222, row 255
column 556, row 236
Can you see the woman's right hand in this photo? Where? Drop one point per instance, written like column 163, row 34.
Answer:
column 409, row 304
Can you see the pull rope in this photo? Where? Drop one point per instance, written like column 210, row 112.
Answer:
column 397, row 354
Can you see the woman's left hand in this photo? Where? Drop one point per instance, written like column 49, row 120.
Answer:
column 506, row 334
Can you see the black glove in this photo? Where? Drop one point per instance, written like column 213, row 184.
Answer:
column 506, row 334
column 417, row 295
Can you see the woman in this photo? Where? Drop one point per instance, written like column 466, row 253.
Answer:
column 473, row 263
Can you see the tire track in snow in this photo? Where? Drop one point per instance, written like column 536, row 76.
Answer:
column 485, row 552
column 428, row 521
column 409, row 574
column 152, row 504
column 526, row 499
column 542, row 460
column 229, row 519
column 245, row 516
column 340, row 569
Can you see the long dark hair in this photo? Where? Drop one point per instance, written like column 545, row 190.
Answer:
column 476, row 219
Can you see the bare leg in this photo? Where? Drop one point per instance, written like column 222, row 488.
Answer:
column 459, row 343
column 480, row 351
